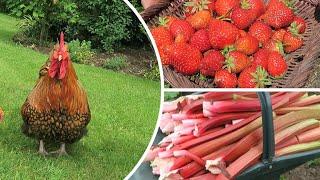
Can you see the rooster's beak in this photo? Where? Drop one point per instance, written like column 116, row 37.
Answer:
column 60, row 57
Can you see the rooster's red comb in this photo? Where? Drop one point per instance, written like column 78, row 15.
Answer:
column 61, row 40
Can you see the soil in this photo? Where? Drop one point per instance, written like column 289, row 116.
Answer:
column 304, row 172
column 139, row 61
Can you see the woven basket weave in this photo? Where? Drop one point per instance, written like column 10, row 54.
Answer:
column 300, row 63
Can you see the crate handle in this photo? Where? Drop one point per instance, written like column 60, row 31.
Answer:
column 268, row 128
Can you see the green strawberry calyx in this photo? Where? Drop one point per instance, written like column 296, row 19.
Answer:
column 260, row 77
column 279, row 47
column 227, row 49
column 229, row 64
column 163, row 21
column 197, row 5
column 244, row 4
column 294, row 28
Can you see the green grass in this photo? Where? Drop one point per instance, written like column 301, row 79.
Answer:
column 124, row 112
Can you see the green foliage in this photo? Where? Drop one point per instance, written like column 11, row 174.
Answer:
column 314, row 163
column 107, row 24
column 153, row 74
column 169, row 96
column 80, row 51
column 116, row 63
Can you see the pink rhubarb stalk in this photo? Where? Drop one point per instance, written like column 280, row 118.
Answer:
column 255, row 153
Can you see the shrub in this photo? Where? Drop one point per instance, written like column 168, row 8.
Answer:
column 153, row 74
column 107, row 24
column 116, row 63
column 80, row 52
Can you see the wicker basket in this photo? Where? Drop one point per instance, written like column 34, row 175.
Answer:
column 300, row 62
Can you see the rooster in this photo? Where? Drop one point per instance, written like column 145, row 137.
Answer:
column 57, row 109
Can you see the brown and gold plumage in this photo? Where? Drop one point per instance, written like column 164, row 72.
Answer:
column 57, row 109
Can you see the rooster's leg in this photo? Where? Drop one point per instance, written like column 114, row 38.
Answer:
column 42, row 149
column 62, row 151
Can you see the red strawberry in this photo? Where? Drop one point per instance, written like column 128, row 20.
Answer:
column 253, row 77
column 224, row 7
column 257, row 6
column 247, row 12
column 242, row 18
column 162, row 36
column 278, row 35
column 164, row 54
column 200, row 40
column 260, row 58
column 242, row 33
column 222, row 34
column 224, row 79
column 236, row 61
column 185, row 59
column 247, row 45
column 298, row 25
column 200, row 20
column 291, row 42
column 278, row 14
column 212, row 62
column 277, row 65
column 261, row 31
column 272, row 45
column 211, row 5
column 181, row 30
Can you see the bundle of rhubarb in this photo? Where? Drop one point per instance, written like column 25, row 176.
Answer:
column 233, row 43
column 217, row 135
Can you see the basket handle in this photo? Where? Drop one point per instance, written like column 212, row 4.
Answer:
column 154, row 9
column 268, row 128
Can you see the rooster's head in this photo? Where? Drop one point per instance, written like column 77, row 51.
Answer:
column 59, row 60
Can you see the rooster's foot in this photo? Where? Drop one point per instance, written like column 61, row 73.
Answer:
column 42, row 149
column 62, row 151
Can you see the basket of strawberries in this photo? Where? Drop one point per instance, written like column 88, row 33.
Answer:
column 236, row 43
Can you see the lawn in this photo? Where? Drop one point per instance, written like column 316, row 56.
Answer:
column 124, row 112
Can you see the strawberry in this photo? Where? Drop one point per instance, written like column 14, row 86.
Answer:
column 242, row 18
column 278, row 35
column 224, row 79
column 200, row 40
column 164, row 54
column 162, row 36
column 291, row 42
column 298, row 25
column 247, row 12
column 242, row 33
column 272, row 45
column 257, row 6
column 236, row 61
column 253, row 77
column 212, row 62
column 181, row 30
column 260, row 58
column 200, row 20
column 261, row 31
column 222, row 33
column 247, row 45
column 224, row 7
column 185, row 59
column 278, row 14
column 277, row 65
